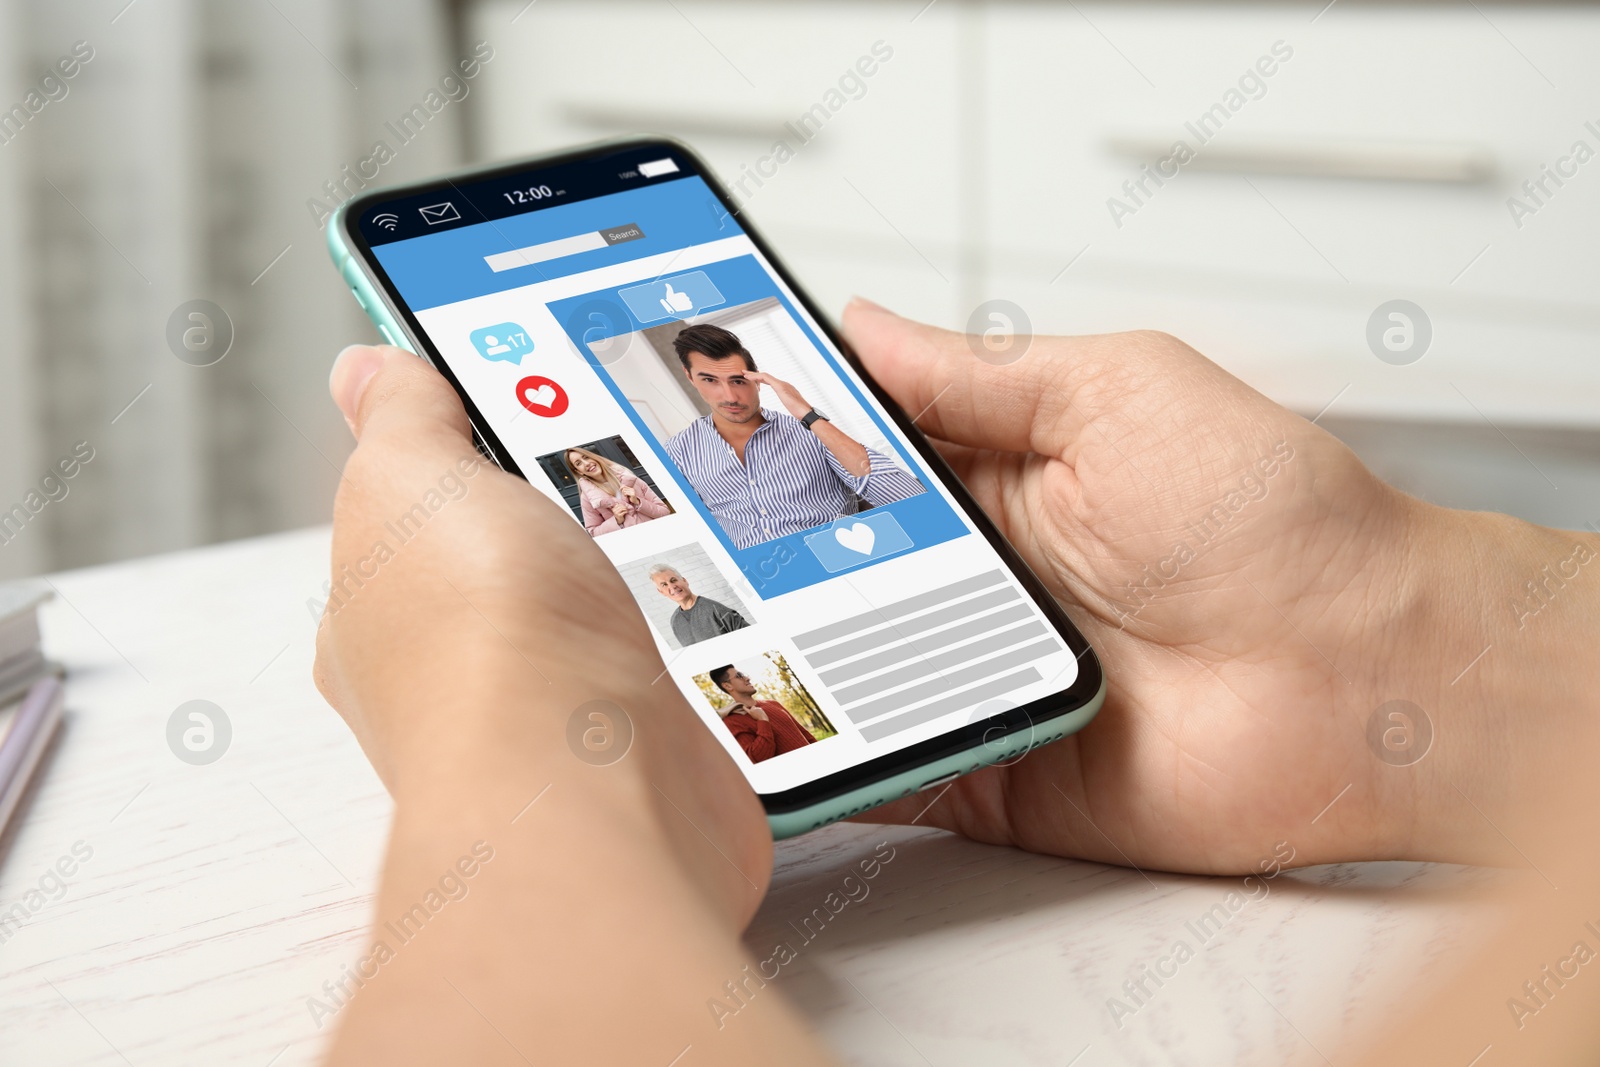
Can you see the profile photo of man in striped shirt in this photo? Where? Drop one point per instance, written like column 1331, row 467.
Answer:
column 764, row 473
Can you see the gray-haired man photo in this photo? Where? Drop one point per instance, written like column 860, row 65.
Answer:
column 698, row 617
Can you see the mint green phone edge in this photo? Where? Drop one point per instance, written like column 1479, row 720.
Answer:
column 832, row 809
column 930, row 775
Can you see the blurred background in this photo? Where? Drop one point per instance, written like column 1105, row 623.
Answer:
column 1344, row 156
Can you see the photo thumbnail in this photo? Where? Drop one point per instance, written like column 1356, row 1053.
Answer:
column 605, row 485
column 765, row 705
column 685, row 596
column 771, row 443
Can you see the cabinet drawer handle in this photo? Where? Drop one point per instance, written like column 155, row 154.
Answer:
column 1327, row 157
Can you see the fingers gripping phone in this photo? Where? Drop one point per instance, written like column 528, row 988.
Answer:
column 845, row 620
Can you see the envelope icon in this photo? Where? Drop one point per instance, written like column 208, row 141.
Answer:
column 434, row 214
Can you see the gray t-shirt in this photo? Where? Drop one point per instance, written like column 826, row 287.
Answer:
column 706, row 619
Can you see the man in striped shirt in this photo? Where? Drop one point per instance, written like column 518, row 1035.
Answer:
column 766, row 473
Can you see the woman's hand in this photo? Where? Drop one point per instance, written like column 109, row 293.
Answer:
column 620, row 511
column 1255, row 595
column 458, row 654
column 476, row 641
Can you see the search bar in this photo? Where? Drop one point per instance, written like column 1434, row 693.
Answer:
column 564, row 246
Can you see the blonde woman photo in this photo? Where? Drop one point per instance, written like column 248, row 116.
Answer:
column 611, row 496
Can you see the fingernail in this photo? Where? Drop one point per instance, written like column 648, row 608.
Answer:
column 352, row 371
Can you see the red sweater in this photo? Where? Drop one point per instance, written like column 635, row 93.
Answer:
column 763, row 740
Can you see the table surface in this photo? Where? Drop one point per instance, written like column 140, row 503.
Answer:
column 218, row 899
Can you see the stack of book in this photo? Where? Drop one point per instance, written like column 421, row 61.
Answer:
column 31, row 694
column 22, row 659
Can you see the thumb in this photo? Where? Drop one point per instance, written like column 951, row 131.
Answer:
column 411, row 436
column 385, row 391
column 953, row 393
column 1036, row 394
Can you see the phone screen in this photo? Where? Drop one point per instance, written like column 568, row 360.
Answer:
column 820, row 588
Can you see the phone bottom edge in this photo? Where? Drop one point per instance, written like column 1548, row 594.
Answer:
column 793, row 823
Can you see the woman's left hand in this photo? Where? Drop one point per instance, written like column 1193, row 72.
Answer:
column 459, row 656
column 501, row 679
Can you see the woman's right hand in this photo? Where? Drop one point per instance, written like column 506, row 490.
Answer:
column 1255, row 595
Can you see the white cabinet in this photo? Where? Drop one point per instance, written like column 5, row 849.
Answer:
column 1254, row 250
column 979, row 159
column 866, row 100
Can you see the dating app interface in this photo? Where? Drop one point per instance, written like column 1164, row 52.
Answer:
column 815, row 591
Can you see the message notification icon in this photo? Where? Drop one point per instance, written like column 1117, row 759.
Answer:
column 506, row 341
column 542, row 396
column 434, row 214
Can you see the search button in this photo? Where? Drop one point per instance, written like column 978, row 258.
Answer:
column 616, row 235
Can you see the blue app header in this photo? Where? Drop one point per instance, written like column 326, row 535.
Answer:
column 491, row 257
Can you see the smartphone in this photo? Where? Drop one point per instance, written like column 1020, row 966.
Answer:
column 844, row 619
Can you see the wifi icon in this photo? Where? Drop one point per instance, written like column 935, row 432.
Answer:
column 387, row 220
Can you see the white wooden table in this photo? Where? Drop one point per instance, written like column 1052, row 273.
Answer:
column 219, row 898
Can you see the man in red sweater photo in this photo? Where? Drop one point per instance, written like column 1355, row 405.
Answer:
column 763, row 728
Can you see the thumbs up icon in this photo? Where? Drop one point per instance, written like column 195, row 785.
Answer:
column 679, row 296
column 675, row 301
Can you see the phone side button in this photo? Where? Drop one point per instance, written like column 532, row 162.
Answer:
column 351, row 272
column 388, row 336
column 936, row 782
column 357, row 294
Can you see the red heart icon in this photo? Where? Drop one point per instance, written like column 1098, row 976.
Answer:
column 542, row 396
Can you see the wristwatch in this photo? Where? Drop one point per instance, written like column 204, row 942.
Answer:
column 812, row 416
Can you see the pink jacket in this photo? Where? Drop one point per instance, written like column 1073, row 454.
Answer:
column 597, row 504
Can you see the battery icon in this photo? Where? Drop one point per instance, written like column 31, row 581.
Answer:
column 657, row 167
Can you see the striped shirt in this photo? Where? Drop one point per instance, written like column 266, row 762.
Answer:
column 788, row 482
